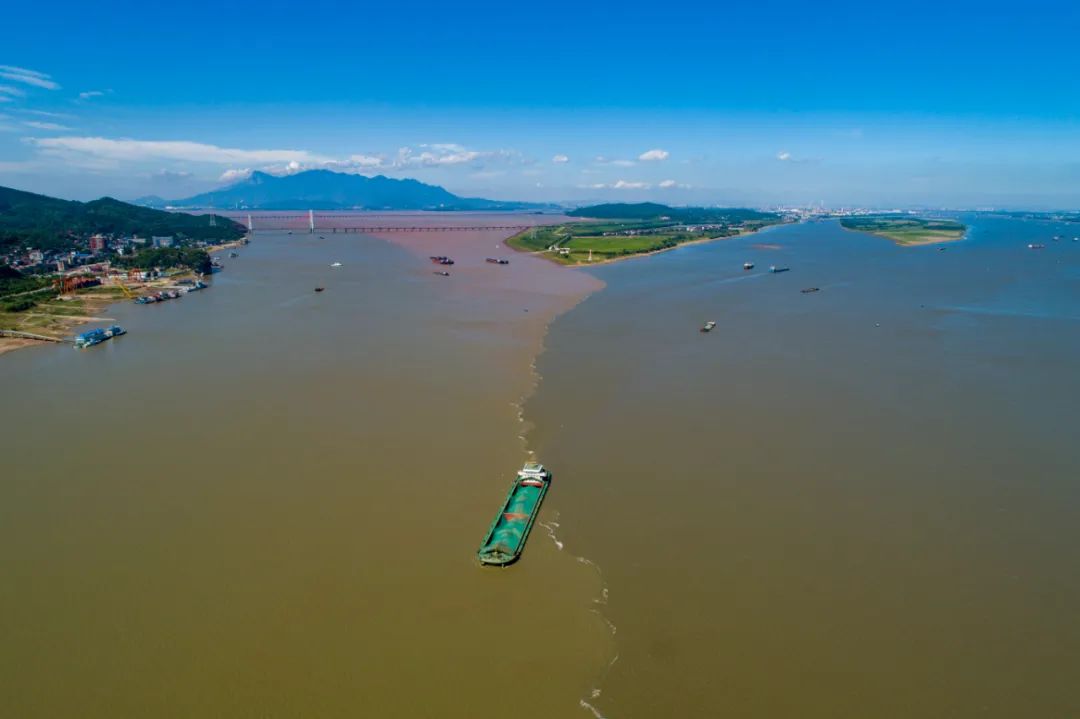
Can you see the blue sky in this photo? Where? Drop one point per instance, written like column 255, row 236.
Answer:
column 936, row 104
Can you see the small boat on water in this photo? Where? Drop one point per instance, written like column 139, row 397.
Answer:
column 497, row 261
column 319, row 289
column 94, row 337
column 748, row 265
column 335, row 264
column 808, row 290
column 505, row 539
column 441, row 260
column 1035, row 246
column 234, row 254
column 443, row 273
column 708, row 326
column 775, row 270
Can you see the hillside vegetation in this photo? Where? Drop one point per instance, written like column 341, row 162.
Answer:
column 663, row 213
column 48, row 223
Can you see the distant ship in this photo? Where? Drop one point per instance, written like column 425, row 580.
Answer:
column 774, row 269
column 335, row 264
column 748, row 265
column 497, row 261
column 708, row 326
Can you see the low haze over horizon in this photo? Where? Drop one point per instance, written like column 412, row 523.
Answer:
column 840, row 103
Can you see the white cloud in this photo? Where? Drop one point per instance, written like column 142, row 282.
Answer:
column 668, row 183
column 91, row 94
column 654, row 155
column 50, row 126
column 28, row 77
column 449, row 154
column 11, row 90
column 601, row 160
column 619, row 185
column 372, row 161
column 171, row 175
column 560, row 159
column 103, row 153
column 436, row 155
column 235, row 175
column 43, row 113
column 783, row 156
column 125, row 149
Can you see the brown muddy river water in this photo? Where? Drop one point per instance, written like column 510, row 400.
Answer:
column 264, row 501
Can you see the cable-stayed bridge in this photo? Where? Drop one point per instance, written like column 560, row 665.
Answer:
column 312, row 222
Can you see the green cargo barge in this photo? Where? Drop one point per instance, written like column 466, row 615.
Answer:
column 507, row 535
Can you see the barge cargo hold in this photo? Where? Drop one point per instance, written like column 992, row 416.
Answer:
column 507, row 535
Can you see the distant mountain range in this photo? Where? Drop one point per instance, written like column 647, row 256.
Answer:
column 31, row 220
column 327, row 190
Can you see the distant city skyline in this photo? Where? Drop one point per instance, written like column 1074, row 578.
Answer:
column 916, row 104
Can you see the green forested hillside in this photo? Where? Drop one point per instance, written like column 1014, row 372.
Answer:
column 656, row 211
column 30, row 220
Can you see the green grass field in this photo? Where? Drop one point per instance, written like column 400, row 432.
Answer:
column 907, row 230
column 575, row 241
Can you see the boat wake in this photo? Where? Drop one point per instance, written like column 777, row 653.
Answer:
column 587, row 702
column 586, row 705
column 551, row 527
column 599, row 602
